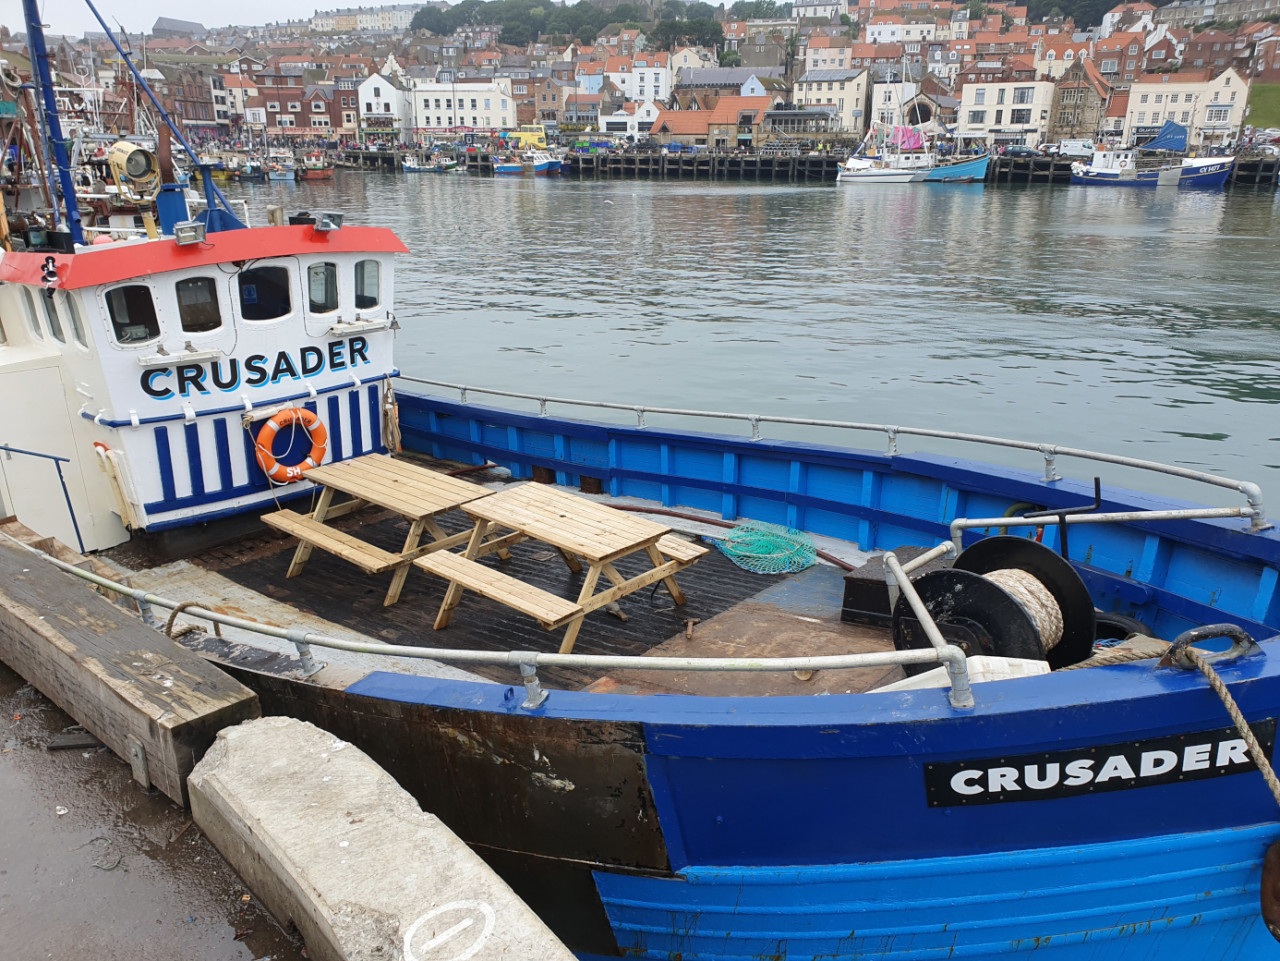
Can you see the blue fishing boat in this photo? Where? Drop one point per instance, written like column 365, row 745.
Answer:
column 504, row 166
column 1160, row 162
column 1038, row 721
column 969, row 170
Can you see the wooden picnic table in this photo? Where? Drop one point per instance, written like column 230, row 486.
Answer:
column 415, row 493
column 577, row 528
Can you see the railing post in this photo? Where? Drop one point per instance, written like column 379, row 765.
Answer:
column 893, row 440
column 298, row 638
column 534, row 695
column 1050, row 463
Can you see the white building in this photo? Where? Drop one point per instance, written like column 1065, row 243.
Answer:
column 643, row 77
column 464, row 107
column 1006, row 113
column 819, row 9
column 634, row 120
column 1212, row 109
column 842, row 93
column 384, row 109
column 888, row 98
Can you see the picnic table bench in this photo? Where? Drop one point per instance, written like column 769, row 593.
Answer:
column 415, row 493
column 577, row 528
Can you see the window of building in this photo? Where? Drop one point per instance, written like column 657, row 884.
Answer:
column 295, row 106
column 999, row 117
column 317, row 106
column 979, row 96
column 377, row 91
column 133, row 314
column 1155, row 117
column 29, row 308
column 1173, row 98
column 264, row 293
column 367, row 283
column 273, row 106
column 1186, row 116
column 1110, row 66
column 1142, row 116
column 1130, row 65
column 1020, row 116
column 1144, row 98
column 1000, row 95
column 977, row 117
column 198, row 304
column 1217, row 114
column 1023, row 94
column 322, row 287
column 386, row 108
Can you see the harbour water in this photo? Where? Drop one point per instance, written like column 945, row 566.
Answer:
column 1138, row 322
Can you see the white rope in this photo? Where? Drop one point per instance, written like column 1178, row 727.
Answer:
column 1237, row 718
column 1034, row 598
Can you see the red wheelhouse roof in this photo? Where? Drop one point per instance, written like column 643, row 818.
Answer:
column 111, row 263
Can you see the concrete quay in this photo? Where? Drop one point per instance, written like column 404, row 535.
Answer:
column 329, row 842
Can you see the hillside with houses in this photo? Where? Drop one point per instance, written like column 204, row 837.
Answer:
column 825, row 71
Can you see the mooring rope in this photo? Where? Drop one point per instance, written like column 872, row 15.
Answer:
column 1255, row 749
column 1035, row 599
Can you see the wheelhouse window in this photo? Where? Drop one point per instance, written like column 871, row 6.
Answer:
column 264, row 293
column 367, row 283
column 198, row 305
column 70, row 307
column 322, row 287
column 133, row 314
column 29, row 308
column 52, row 319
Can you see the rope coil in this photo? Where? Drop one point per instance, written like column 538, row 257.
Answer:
column 1035, row 599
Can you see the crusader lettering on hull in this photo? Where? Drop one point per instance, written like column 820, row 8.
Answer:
column 1090, row 770
column 258, row 370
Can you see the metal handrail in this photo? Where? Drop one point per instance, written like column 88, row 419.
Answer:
column 529, row 661
column 66, row 494
column 1251, row 491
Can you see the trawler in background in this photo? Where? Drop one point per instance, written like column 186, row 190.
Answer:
column 1161, row 162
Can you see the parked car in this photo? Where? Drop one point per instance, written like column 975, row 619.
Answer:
column 1021, row 151
column 1069, row 148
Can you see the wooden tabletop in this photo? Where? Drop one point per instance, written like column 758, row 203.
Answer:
column 409, row 490
column 594, row 531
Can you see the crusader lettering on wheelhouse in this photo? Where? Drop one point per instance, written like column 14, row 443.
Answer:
column 258, row 370
column 1090, row 770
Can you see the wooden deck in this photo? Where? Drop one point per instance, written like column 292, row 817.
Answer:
column 789, row 615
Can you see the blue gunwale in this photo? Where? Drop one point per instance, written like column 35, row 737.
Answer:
column 1170, row 574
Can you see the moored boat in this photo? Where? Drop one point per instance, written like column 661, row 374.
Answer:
column 963, row 170
column 1099, row 807
column 508, row 166
column 541, row 162
column 315, row 166
column 1161, row 162
column 881, row 170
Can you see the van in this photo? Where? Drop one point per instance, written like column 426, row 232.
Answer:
column 1071, row 148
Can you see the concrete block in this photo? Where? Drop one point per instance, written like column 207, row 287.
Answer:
column 330, row 843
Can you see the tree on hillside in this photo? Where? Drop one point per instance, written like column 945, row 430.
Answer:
column 753, row 10
column 673, row 10
column 699, row 11
column 430, row 19
column 730, row 58
column 670, row 34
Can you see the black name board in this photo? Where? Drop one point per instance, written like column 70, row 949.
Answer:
column 1095, row 769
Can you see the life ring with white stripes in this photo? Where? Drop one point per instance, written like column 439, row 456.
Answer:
column 1123, row 165
column 315, row 431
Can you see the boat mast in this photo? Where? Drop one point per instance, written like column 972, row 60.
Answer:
column 43, row 78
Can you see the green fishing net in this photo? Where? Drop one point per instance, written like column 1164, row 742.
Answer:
column 768, row 548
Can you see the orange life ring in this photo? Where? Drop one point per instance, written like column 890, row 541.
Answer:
column 310, row 423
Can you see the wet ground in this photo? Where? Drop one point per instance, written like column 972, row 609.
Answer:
column 92, row 866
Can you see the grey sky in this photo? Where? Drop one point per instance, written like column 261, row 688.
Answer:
column 73, row 16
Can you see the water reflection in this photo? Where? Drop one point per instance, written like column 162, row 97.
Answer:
column 1144, row 322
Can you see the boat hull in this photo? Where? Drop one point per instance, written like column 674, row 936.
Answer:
column 886, row 825
column 509, row 169
column 1209, row 173
column 720, row 828
column 963, row 171
column 880, row 176
column 316, row 173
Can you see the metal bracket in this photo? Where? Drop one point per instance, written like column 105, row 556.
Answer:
column 534, row 695
column 1050, row 463
column 1242, row 645
column 138, row 760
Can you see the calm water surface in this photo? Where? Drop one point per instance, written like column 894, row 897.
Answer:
column 1136, row 322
